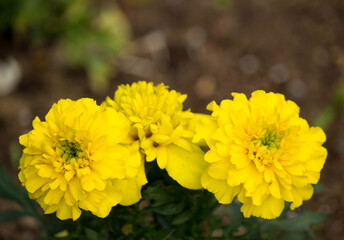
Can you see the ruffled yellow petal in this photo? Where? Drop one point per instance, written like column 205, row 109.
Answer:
column 219, row 170
column 112, row 198
column 65, row 212
column 223, row 193
column 269, row 209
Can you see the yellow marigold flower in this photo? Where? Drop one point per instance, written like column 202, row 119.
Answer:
column 162, row 129
column 76, row 160
column 262, row 152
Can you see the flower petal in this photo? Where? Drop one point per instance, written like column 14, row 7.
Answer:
column 269, row 209
column 223, row 192
column 186, row 167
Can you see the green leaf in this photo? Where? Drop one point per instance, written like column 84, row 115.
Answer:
column 162, row 195
column 104, row 234
column 171, row 208
column 328, row 115
column 91, row 234
column 319, row 188
column 10, row 191
column 165, row 224
column 7, row 188
column 235, row 214
column 11, row 215
column 183, row 217
column 158, row 194
column 15, row 153
column 299, row 223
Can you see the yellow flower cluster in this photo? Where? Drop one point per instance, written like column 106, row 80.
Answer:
column 90, row 157
column 262, row 152
column 161, row 129
column 76, row 159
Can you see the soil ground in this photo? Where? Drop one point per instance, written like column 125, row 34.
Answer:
column 293, row 47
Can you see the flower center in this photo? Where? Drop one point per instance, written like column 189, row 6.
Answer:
column 260, row 155
column 263, row 149
column 271, row 139
column 70, row 150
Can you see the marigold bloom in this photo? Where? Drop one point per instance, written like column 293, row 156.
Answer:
column 261, row 151
column 76, row 160
column 162, row 129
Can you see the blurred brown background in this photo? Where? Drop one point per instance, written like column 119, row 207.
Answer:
column 206, row 49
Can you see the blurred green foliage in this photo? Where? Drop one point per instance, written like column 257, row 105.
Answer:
column 90, row 33
column 141, row 2
column 14, row 152
column 328, row 115
column 9, row 190
column 223, row 5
